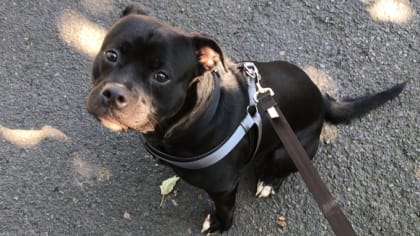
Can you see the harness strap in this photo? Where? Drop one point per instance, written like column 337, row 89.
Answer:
column 210, row 158
column 253, row 108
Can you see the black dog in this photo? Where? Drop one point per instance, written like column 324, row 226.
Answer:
column 187, row 99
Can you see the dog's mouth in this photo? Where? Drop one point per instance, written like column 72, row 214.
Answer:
column 113, row 124
column 117, row 125
column 146, row 128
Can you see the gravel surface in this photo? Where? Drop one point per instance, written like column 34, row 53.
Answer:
column 61, row 173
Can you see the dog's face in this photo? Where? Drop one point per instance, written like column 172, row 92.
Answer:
column 144, row 70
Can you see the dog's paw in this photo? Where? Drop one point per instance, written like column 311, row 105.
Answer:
column 211, row 225
column 264, row 190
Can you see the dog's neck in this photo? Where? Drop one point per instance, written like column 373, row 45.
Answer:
column 207, row 109
column 201, row 103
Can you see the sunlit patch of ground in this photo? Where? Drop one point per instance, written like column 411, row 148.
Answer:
column 30, row 138
column 80, row 33
column 87, row 173
column 396, row 11
column 327, row 85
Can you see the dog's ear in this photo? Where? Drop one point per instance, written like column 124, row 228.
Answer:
column 208, row 52
column 134, row 9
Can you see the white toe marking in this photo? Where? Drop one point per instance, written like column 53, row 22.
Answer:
column 266, row 192
column 206, row 224
column 263, row 190
column 260, row 186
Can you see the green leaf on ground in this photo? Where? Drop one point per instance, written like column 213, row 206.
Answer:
column 167, row 186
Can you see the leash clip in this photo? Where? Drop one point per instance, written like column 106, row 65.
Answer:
column 251, row 70
column 261, row 91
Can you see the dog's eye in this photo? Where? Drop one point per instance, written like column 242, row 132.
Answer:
column 111, row 55
column 161, row 77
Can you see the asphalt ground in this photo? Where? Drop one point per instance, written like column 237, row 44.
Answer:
column 61, row 173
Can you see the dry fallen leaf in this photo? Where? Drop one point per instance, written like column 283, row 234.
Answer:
column 281, row 222
column 127, row 216
column 167, row 186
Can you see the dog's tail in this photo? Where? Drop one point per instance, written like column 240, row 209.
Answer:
column 345, row 110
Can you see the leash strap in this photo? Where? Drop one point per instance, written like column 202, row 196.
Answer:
column 338, row 221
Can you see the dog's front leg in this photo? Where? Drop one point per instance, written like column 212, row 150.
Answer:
column 222, row 219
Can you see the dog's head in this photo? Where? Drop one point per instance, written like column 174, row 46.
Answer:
column 144, row 70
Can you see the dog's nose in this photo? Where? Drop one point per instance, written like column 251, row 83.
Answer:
column 116, row 96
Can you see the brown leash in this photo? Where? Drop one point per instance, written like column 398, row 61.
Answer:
column 338, row 221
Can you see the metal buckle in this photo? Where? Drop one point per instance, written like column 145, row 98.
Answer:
column 250, row 69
